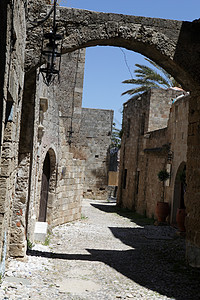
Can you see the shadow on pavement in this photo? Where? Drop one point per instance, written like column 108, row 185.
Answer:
column 155, row 263
column 133, row 216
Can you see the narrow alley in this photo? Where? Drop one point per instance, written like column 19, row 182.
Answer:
column 106, row 256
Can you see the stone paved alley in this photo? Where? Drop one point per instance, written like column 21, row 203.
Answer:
column 104, row 256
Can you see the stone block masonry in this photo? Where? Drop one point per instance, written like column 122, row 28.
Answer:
column 150, row 132
column 95, row 140
column 13, row 32
column 26, row 143
column 169, row 43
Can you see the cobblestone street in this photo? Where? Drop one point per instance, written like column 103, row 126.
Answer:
column 104, row 256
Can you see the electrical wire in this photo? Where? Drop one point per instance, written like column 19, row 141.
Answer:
column 125, row 59
column 70, row 131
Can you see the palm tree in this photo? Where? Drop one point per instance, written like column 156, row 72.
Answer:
column 148, row 77
column 116, row 137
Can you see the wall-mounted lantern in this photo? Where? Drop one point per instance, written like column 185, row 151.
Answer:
column 51, row 53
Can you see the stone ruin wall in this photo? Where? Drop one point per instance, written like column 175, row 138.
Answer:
column 95, row 133
column 178, row 134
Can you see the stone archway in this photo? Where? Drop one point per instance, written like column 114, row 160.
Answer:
column 174, row 45
column 179, row 191
column 167, row 42
column 48, row 187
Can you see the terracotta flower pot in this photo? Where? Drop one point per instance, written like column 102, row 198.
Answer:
column 180, row 219
column 162, row 211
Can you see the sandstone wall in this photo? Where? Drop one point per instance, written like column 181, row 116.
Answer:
column 95, row 139
column 69, row 94
column 178, row 133
column 144, row 153
column 43, row 130
column 152, row 159
column 66, row 180
column 11, row 100
column 193, row 183
column 135, row 123
column 161, row 101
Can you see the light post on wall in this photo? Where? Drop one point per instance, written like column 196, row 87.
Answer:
column 51, row 52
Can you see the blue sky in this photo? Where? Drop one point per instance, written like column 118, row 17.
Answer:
column 107, row 67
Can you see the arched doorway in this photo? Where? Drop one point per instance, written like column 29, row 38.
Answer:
column 47, row 186
column 179, row 190
column 44, row 189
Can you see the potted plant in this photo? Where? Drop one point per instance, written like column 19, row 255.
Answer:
column 162, row 208
column 181, row 213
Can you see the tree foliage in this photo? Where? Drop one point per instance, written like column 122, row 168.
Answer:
column 116, row 137
column 149, row 77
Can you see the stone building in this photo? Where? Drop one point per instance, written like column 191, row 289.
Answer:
column 12, row 54
column 173, row 44
column 154, row 138
column 42, row 170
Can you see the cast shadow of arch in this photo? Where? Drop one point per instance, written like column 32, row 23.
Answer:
column 157, row 265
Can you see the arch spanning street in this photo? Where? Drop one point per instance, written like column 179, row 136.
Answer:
column 174, row 45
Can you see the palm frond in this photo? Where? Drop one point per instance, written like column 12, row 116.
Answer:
column 135, row 81
column 147, row 77
column 142, row 88
column 158, row 67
